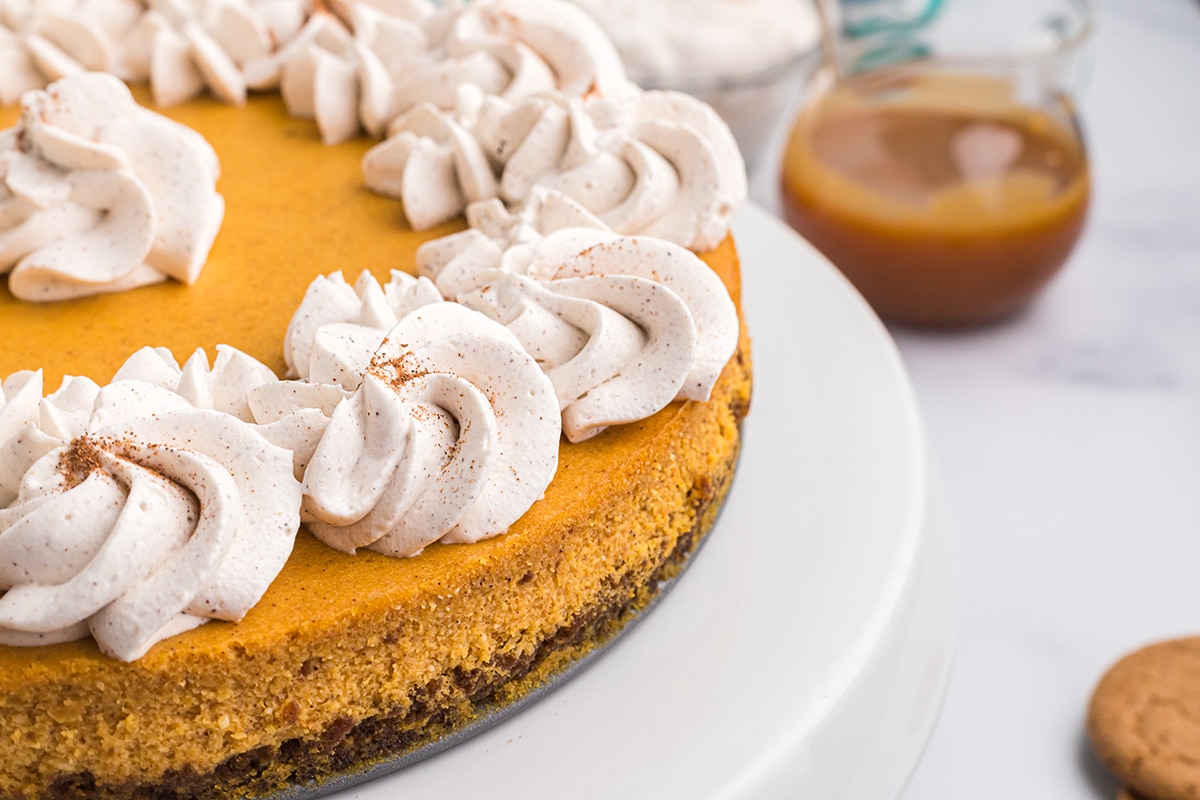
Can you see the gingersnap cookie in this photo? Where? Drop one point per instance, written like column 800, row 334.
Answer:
column 1125, row 794
column 1144, row 721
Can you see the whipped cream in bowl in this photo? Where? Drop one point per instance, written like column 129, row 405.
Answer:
column 746, row 58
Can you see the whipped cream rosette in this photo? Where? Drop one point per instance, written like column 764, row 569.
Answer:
column 650, row 163
column 32, row 425
column 496, row 55
column 542, row 45
column 438, row 162
column 184, row 47
column 655, row 163
column 621, row 325
column 498, row 238
column 433, row 164
column 356, row 66
column 46, row 40
column 223, row 387
column 334, row 317
column 511, row 50
column 101, row 195
column 342, row 72
column 330, row 340
column 450, row 436
column 152, row 518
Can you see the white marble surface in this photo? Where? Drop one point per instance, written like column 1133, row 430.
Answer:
column 1069, row 438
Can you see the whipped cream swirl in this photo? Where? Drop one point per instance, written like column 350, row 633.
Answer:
column 358, row 69
column 100, row 195
column 343, row 76
column 32, row 425
column 650, row 163
column 329, row 343
column 225, row 386
column 154, row 517
column 621, row 325
column 46, row 40
column 432, row 163
column 657, row 164
column 451, row 435
column 497, row 238
column 496, row 55
column 337, row 328
column 511, row 50
column 183, row 47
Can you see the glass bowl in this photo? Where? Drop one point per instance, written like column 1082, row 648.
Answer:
column 748, row 59
column 752, row 103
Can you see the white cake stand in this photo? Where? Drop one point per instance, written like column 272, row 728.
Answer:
column 806, row 650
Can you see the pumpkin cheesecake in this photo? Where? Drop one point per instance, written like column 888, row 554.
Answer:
column 263, row 527
column 347, row 660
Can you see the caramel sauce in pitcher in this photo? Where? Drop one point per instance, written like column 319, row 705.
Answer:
column 943, row 200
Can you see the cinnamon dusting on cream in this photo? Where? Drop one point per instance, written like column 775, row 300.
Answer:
column 397, row 371
column 79, row 460
column 82, row 457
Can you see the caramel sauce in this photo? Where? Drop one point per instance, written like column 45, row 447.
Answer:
column 942, row 199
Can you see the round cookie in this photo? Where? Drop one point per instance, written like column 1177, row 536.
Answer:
column 1144, row 720
column 1125, row 794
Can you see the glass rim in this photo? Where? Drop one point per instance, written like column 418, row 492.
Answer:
column 1084, row 17
column 699, row 82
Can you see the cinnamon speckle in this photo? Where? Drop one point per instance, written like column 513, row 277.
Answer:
column 82, row 457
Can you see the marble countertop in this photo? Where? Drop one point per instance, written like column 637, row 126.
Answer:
column 1069, row 438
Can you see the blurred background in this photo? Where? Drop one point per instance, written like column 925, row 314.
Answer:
column 1068, row 433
